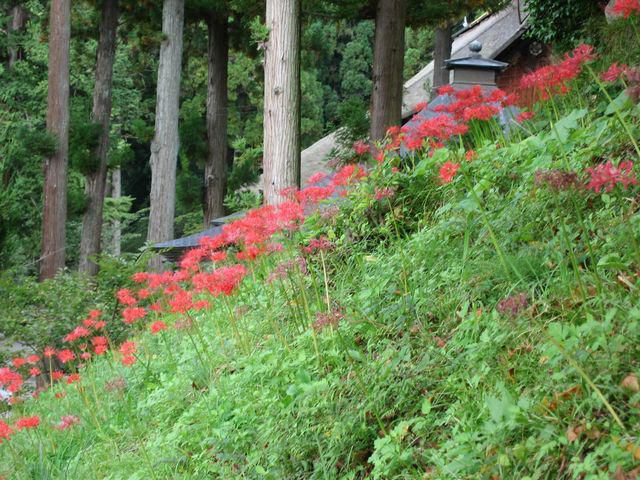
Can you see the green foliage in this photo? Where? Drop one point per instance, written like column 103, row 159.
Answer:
column 560, row 23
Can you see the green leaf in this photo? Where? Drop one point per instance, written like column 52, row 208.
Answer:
column 612, row 262
column 566, row 125
column 621, row 102
column 426, row 406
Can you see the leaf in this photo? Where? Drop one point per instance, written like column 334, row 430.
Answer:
column 630, row 382
column 612, row 261
column 621, row 102
column 426, row 406
column 566, row 125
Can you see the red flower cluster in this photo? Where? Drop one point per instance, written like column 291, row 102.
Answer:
column 615, row 72
column 448, row 171
column 553, row 79
column 626, row 8
column 5, row 431
column 67, row 421
column 27, row 422
column 607, row 176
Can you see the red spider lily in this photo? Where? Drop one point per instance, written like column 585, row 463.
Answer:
column 57, row 374
column 448, row 171
column 615, row 72
column 32, row 359
column 128, row 348
column 442, row 128
column 60, row 395
column 382, row 193
column 65, row 355
column 131, row 314
column 220, row 256
column 77, row 333
column 73, row 378
column 93, row 314
column 316, row 178
column 85, row 355
column 125, row 297
column 607, row 176
column 89, row 322
column 284, row 269
column 34, row 372
column 361, row 147
column 221, row 281
column 524, row 116
column 143, row 293
column 470, row 155
column 319, row 244
column 181, row 302
column 18, row 362
column 100, row 349
column 158, row 326
column 67, row 421
column 251, row 252
column 552, row 79
column 314, row 194
column 27, row 422
column 324, row 320
column 420, row 106
column 626, row 8
column 156, row 307
column 348, row 175
column 99, row 325
column 201, row 305
column 49, row 352
column 140, row 277
column 5, row 431
column 12, row 380
column 128, row 360
column 446, row 90
column 99, row 341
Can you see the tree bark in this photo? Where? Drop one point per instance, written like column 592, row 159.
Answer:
column 215, row 170
column 54, row 213
column 441, row 52
column 116, row 192
column 19, row 16
column 281, row 162
column 165, row 145
column 101, row 114
column 388, row 66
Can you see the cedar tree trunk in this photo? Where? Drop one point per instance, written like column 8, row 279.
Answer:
column 54, row 213
column 388, row 66
column 116, row 192
column 101, row 114
column 281, row 163
column 441, row 52
column 165, row 145
column 215, row 170
column 19, row 16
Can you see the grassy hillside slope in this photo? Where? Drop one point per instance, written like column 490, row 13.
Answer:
column 471, row 312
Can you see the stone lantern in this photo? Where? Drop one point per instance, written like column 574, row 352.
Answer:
column 474, row 69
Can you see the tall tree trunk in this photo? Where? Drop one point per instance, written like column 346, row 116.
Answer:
column 281, row 164
column 388, row 66
column 215, row 170
column 116, row 192
column 54, row 213
column 165, row 145
column 101, row 114
column 441, row 52
column 19, row 16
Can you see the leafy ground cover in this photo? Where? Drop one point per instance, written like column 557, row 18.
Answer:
column 470, row 310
